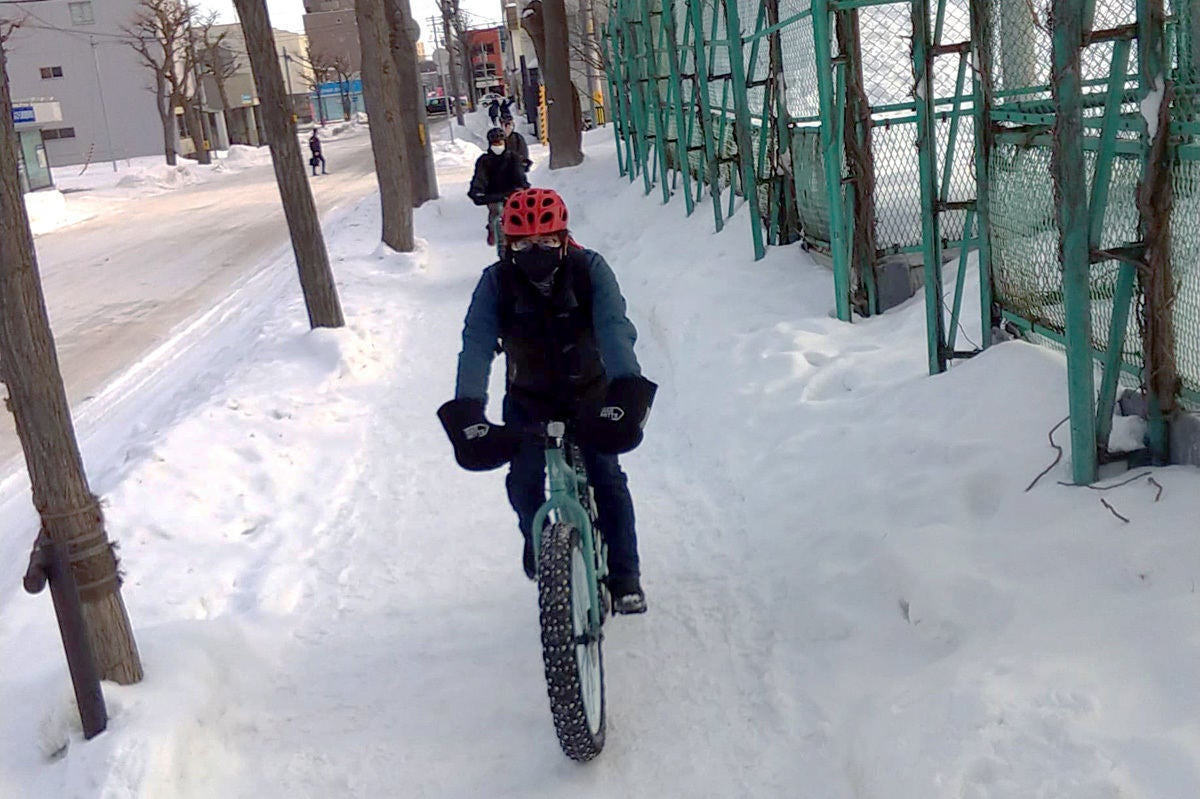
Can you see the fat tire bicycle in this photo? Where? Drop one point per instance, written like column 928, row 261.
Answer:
column 572, row 597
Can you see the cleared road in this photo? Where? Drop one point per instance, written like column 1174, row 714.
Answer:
column 119, row 283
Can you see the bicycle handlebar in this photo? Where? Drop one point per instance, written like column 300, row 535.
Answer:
column 551, row 429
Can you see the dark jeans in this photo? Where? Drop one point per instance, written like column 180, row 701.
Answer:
column 526, row 484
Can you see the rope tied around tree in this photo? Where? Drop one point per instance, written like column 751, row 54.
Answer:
column 91, row 557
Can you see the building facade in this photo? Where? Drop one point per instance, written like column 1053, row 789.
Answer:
column 485, row 48
column 245, row 119
column 586, row 20
column 332, row 31
column 76, row 54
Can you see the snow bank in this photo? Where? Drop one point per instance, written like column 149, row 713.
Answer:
column 48, row 210
column 850, row 588
column 460, row 154
column 164, row 177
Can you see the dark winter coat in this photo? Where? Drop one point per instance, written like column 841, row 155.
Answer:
column 314, row 145
column 561, row 350
column 515, row 144
column 496, row 177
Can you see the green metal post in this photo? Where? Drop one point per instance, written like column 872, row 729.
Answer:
column 682, row 129
column 956, row 308
column 1071, row 201
column 654, row 100
column 620, row 46
column 696, row 11
column 1102, row 177
column 611, row 85
column 638, row 100
column 741, row 131
column 1101, row 181
column 952, row 141
column 1113, row 356
column 927, row 157
column 831, row 154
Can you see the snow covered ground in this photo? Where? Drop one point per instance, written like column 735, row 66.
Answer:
column 851, row 593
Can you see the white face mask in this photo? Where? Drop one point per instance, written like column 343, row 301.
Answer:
column 498, row 149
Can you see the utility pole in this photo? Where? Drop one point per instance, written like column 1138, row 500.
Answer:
column 103, row 107
column 287, row 71
column 441, row 78
column 442, row 84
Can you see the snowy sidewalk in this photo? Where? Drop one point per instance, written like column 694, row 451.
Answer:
column 850, row 594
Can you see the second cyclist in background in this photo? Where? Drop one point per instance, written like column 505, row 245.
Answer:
column 498, row 173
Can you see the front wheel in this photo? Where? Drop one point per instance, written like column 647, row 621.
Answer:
column 570, row 648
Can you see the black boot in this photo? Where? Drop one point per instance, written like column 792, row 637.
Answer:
column 528, row 561
column 627, row 595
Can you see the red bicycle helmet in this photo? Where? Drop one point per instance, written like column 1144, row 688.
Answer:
column 534, row 212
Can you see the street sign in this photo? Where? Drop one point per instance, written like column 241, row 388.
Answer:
column 245, row 99
column 23, row 113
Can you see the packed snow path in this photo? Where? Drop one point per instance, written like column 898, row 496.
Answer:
column 118, row 284
column 851, row 595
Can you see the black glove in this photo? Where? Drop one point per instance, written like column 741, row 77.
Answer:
column 616, row 426
column 478, row 444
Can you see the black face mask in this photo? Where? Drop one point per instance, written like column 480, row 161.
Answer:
column 538, row 264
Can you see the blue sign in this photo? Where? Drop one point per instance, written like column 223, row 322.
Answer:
column 335, row 88
column 23, row 113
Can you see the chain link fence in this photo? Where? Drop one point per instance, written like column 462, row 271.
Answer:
column 811, row 112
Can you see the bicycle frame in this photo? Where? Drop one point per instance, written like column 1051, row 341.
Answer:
column 568, row 484
column 497, row 224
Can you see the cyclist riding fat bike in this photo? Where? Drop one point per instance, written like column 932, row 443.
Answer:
column 555, row 310
column 498, row 173
column 514, row 141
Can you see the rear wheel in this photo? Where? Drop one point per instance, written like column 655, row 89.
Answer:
column 570, row 650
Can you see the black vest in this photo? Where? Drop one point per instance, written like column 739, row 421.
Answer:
column 554, row 363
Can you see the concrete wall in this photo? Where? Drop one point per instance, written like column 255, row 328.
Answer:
column 111, row 67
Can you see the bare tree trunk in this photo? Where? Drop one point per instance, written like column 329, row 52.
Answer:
column 70, row 513
column 165, row 116
column 565, row 132
column 566, row 128
column 381, row 92
column 308, row 243
column 417, row 146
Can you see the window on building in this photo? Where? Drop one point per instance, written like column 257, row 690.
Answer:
column 81, row 13
column 58, row 133
column 488, row 47
column 51, row 72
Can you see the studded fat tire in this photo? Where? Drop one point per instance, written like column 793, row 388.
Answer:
column 563, row 682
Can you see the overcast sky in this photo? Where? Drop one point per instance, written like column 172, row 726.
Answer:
column 288, row 14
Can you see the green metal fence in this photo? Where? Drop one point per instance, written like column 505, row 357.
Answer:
column 1058, row 140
